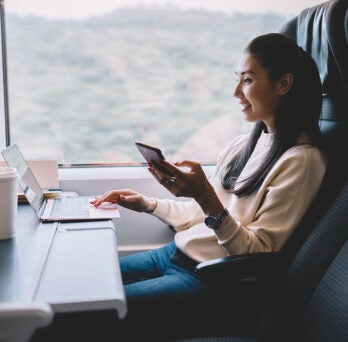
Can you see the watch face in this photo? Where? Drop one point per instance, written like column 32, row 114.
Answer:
column 214, row 221
column 211, row 222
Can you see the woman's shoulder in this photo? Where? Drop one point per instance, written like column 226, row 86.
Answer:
column 305, row 146
column 305, row 152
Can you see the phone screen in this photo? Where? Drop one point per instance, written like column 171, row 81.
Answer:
column 151, row 155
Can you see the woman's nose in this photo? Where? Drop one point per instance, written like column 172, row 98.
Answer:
column 237, row 91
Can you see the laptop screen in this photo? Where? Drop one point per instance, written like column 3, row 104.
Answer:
column 27, row 180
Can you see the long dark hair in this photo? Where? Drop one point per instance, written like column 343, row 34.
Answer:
column 298, row 111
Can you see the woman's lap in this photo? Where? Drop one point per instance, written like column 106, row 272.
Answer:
column 165, row 296
column 162, row 279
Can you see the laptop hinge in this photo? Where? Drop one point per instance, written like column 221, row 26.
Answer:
column 48, row 209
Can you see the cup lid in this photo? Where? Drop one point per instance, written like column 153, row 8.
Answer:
column 8, row 172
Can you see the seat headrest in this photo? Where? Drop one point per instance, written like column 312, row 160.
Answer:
column 311, row 35
column 321, row 30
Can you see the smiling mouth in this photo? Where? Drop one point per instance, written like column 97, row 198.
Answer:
column 245, row 106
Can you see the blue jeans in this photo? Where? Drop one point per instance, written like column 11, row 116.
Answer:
column 166, row 297
column 161, row 278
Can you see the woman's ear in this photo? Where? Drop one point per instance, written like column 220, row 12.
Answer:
column 284, row 83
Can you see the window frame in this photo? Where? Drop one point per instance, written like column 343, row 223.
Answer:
column 5, row 118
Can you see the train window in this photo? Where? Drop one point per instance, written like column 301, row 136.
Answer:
column 86, row 79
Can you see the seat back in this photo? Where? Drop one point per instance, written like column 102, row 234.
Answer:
column 321, row 31
column 312, row 303
column 326, row 314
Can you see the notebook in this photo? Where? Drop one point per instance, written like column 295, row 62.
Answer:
column 63, row 208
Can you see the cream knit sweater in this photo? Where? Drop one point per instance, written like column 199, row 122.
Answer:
column 261, row 222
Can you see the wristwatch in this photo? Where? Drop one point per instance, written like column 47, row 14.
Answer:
column 215, row 221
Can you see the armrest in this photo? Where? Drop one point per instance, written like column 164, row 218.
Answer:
column 243, row 267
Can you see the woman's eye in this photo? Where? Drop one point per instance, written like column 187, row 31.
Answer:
column 247, row 80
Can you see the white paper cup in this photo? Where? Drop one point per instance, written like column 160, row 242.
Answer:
column 8, row 201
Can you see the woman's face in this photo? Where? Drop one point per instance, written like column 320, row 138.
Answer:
column 257, row 94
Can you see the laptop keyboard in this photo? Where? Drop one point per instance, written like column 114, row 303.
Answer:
column 71, row 207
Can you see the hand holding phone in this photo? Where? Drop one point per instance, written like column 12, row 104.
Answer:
column 152, row 155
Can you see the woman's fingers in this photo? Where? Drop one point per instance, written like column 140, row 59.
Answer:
column 97, row 200
column 193, row 166
column 125, row 198
column 170, row 167
column 164, row 179
column 188, row 183
column 110, row 196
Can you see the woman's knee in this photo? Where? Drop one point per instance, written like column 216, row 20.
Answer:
column 145, row 265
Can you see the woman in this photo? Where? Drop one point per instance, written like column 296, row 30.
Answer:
column 263, row 183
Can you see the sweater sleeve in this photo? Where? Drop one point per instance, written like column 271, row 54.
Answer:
column 180, row 215
column 285, row 196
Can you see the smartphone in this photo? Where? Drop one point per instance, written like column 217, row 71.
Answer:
column 151, row 155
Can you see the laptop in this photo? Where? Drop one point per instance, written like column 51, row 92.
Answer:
column 64, row 208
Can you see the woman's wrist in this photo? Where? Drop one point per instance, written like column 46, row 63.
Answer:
column 151, row 206
column 209, row 202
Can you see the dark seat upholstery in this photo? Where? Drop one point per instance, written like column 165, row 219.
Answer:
column 322, row 31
